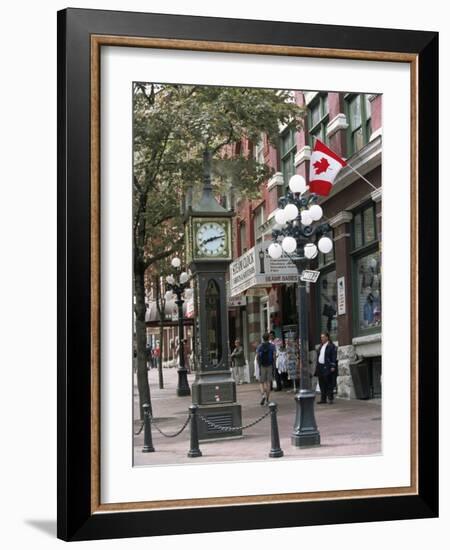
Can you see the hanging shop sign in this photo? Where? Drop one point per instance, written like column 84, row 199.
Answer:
column 309, row 275
column 256, row 268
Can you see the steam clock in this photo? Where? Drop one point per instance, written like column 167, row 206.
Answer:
column 209, row 253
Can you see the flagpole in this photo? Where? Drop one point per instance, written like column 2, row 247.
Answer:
column 362, row 177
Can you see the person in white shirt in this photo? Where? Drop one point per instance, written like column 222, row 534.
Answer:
column 326, row 367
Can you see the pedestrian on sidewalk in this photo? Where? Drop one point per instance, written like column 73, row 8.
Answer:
column 266, row 354
column 275, row 373
column 238, row 362
column 326, row 367
column 149, row 355
column 156, row 354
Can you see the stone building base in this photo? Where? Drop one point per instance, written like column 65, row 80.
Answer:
column 345, row 387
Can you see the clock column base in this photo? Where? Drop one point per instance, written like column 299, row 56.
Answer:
column 219, row 422
column 218, row 414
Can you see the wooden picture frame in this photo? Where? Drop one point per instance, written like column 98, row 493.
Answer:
column 81, row 35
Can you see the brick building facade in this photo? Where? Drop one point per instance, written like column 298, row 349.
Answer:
column 346, row 300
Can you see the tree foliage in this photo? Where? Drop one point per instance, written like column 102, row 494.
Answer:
column 172, row 126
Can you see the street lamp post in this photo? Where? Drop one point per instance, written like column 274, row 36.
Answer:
column 296, row 232
column 178, row 288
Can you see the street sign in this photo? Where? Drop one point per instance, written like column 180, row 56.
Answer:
column 309, row 275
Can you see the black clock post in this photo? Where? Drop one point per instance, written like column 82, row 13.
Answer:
column 209, row 252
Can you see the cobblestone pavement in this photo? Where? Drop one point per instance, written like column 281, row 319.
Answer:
column 347, row 428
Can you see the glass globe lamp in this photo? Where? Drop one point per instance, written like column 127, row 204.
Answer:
column 325, row 245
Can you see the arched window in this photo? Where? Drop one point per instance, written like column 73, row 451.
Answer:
column 213, row 323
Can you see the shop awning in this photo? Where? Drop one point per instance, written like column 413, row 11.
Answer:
column 256, row 269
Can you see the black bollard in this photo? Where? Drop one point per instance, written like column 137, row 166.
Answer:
column 275, row 451
column 194, row 451
column 148, row 443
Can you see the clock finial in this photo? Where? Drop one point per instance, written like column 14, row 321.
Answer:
column 208, row 202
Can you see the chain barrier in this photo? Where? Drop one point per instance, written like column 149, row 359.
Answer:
column 152, row 420
column 140, row 429
column 232, row 429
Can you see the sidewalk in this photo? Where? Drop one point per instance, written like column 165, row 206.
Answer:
column 346, row 427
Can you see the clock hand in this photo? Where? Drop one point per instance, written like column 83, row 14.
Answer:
column 212, row 238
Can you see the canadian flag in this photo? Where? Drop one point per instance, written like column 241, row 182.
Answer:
column 323, row 169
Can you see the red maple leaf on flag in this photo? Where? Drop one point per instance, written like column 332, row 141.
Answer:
column 321, row 165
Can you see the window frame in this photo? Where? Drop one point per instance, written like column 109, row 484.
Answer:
column 325, row 270
column 324, row 117
column 360, row 211
column 290, row 153
column 365, row 123
column 259, row 211
column 356, row 254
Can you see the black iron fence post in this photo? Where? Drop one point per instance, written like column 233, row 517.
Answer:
column 194, row 451
column 148, row 443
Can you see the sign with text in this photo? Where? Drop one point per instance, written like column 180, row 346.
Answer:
column 309, row 275
column 341, row 295
column 256, row 268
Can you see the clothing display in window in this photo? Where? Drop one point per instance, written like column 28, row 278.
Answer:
column 369, row 288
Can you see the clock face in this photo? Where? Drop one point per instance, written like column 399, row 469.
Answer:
column 211, row 239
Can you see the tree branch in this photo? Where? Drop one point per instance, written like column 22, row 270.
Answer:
column 226, row 142
column 164, row 254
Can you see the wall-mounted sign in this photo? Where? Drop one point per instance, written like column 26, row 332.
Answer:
column 235, row 301
column 341, row 295
column 256, row 268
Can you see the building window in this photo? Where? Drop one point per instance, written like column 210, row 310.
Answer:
column 359, row 114
column 367, row 272
column 327, row 301
column 318, row 119
column 364, row 227
column 287, row 154
column 258, row 221
column 243, row 238
column 259, row 150
column 264, row 315
column 368, row 288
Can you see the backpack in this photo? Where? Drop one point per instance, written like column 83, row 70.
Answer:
column 265, row 354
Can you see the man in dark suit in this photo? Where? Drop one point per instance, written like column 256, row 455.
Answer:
column 326, row 367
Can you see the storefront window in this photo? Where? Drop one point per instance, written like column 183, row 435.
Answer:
column 328, row 303
column 368, row 276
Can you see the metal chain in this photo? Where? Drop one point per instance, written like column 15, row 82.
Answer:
column 174, row 434
column 140, row 429
column 232, row 429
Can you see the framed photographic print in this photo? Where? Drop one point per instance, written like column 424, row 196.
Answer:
column 247, row 274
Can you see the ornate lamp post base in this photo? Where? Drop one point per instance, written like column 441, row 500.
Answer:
column 305, row 432
column 183, row 384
